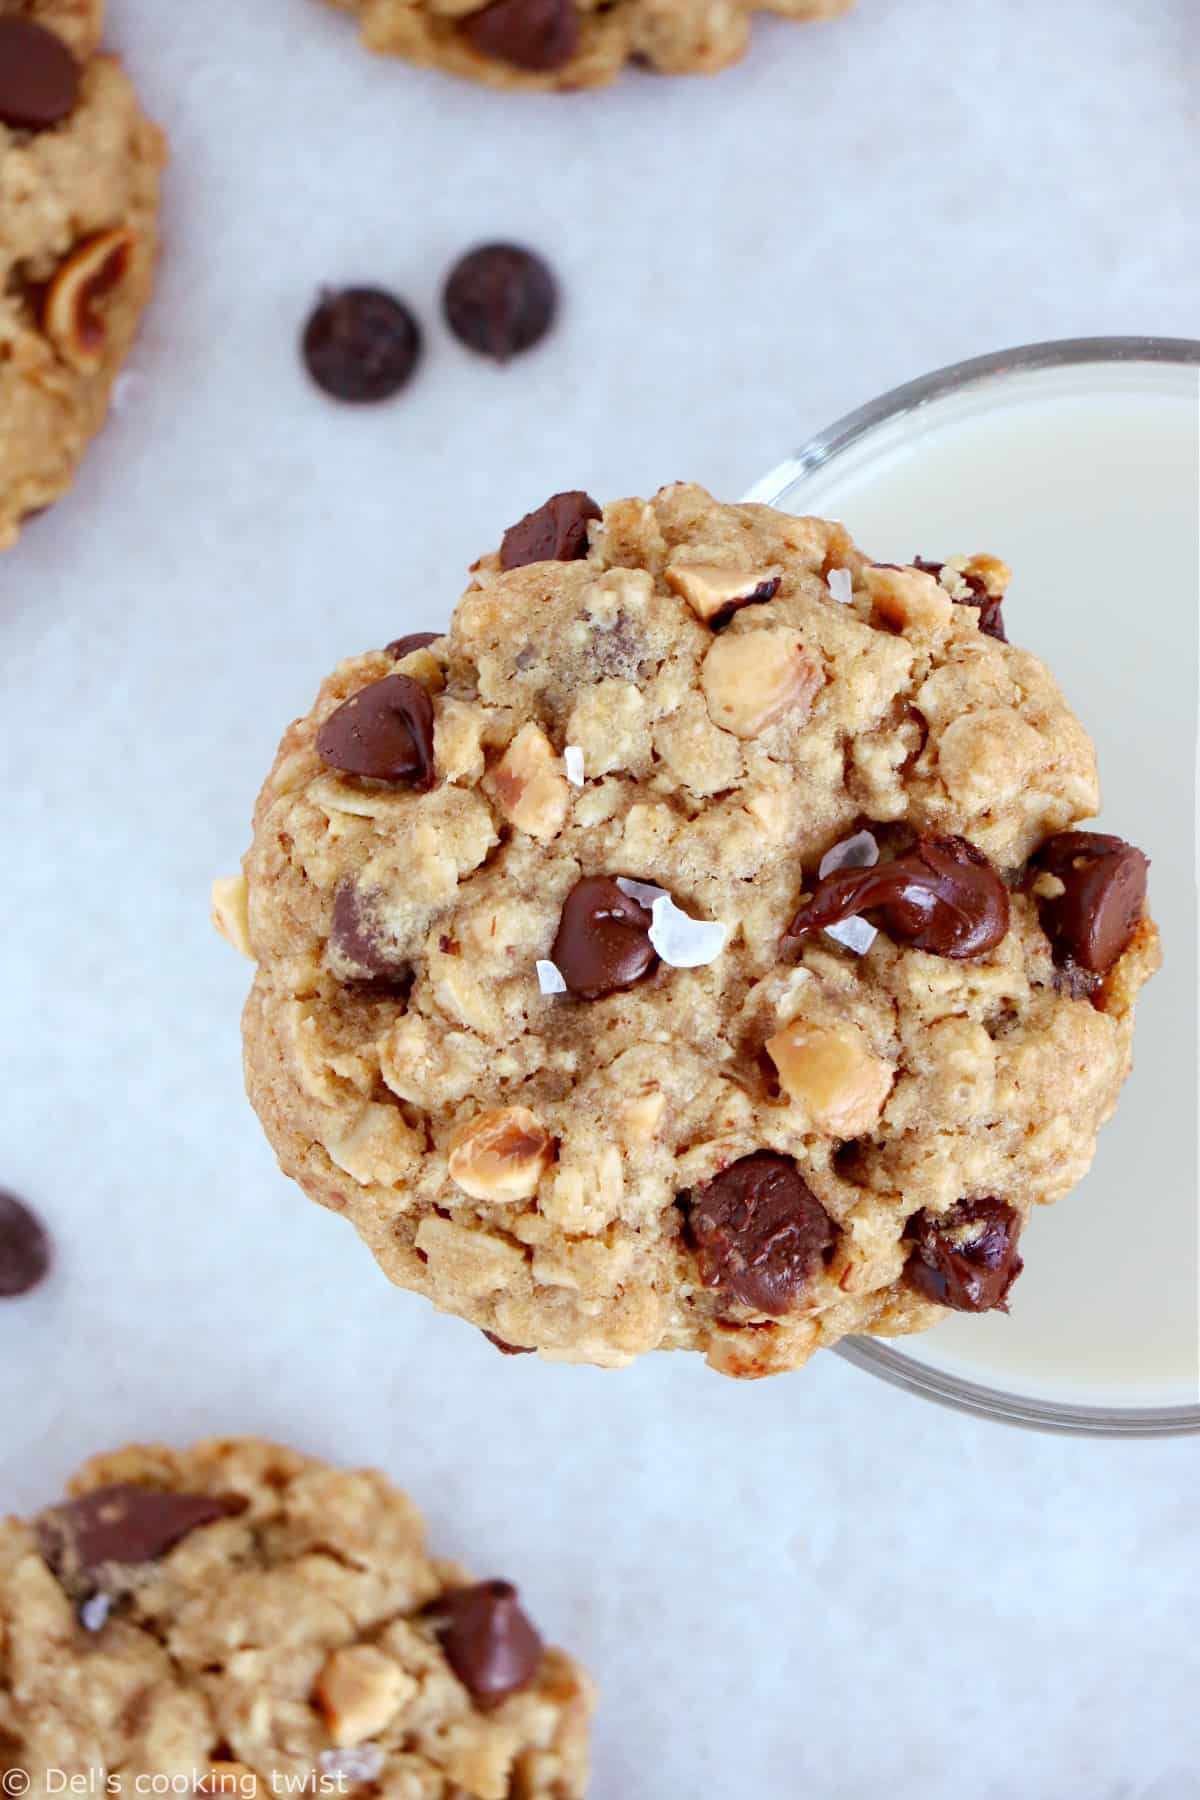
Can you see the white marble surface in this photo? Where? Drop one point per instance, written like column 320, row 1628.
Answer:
column 813, row 1586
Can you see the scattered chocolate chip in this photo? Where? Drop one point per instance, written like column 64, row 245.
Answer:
column 966, row 1258
column 1076, row 983
column 24, row 1248
column 1104, row 881
column 942, row 896
column 356, row 939
column 506, row 1349
column 385, row 731
column 991, row 621
column 95, row 1542
column 416, row 640
column 487, row 1639
column 39, row 78
column 556, row 532
column 500, row 300
column 759, row 1232
column 537, row 35
column 361, row 345
column 603, row 941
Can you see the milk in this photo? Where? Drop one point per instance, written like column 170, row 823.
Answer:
column 1086, row 482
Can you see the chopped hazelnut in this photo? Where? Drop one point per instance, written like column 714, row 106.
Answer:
column 360, row 1690
column 833, row 1074
column 528, row 784
column 712, row 590
column 752, row 678
column 500, row 1154
column 230, row 912
column 69, row 317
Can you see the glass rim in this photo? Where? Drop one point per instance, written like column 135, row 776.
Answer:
column 898, row 1368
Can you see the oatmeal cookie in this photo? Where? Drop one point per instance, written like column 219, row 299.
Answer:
column 692, row 947
column 255, row 1621
column 566, row 44
column 79, row 180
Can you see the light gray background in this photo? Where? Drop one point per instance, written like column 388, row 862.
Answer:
column 810, row 1587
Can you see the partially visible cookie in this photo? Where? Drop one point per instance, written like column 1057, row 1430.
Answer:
column 79, row 182
column 569, row 44
column 257, row 1621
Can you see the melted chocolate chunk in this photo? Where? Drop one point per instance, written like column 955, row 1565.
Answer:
column 555, row 532
column 416, row 640
column 991, row 620
column 384, row 731
column 500, row 300
column 603, row 941
column 1094, row 919
column 507, row 1349
column 488, row 1641
column 942, row 896
column 967, row 1258
column 758, row 596
column 536, row 35
column 356, row 939
column 759, row 1232
column 103, row 1539
column 39, row 77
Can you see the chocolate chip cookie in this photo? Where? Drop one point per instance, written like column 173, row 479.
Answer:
column 567, row 44
column 694, row 946
column 252, row 1621
column 79, row 180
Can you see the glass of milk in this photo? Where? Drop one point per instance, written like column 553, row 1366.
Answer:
column 1078, row 463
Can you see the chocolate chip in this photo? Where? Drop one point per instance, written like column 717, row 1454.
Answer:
column 1093, row 921
column 39, row 78
column 361, row 345
column 500, row 300
column 942, row 896
column 537, row 35
column 603, row 941
column 556, row 532
column 507, row 1349
column 385, row 731
column 487, row 1639
column 991, row 621
column 759, row 1232
column 966, row 1258
column 24, row 1248
column 101, row 1541
column 416, row 640
column 356, row 939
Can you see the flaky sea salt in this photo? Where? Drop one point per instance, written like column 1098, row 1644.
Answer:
column 858, row 852
column 681, row 941
column 362, row 1763
column 573, row 758
column 550, row 978
column 644, row 892
column 93, row 1614
column 841, row 585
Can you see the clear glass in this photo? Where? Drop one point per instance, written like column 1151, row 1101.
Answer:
column 1078, row 462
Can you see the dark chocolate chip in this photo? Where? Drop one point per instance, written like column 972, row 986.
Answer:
column 556, row 532
column 537, row 35
column 100, row 1540
column 24, row 1248
column 507, row 1349
column 416, row 640
column 500, row 300
column 385, row 731
column 361, row 345
column 356, row 939
column 487, row 1639
column 966, row 1258
column 991, row 620
column 1093, row 921
column 942, row 896
column 39, row 78
column 759, row 1232
column 603, row 941
column 766, row 590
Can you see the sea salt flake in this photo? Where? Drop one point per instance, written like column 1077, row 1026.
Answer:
column 362, row 1763
column 681, row 941
column 857, row 852
column 550, row 978
column 573, row 758
column 93, row 1614
column 841, row 585
column 644, row 892
column 855, row 933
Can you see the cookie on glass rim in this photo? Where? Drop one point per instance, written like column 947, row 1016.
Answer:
column 694, row 947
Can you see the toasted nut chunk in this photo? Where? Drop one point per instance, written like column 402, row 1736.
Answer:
column 360, row 1690
column 500, row 1154
column 908, row 599
column 528, row 784
column 229, row 1778
column 710, row 589
column 751, row 678
column 69, row 317
column 833, row 1074
column 230, row 912
column 642, row 1115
